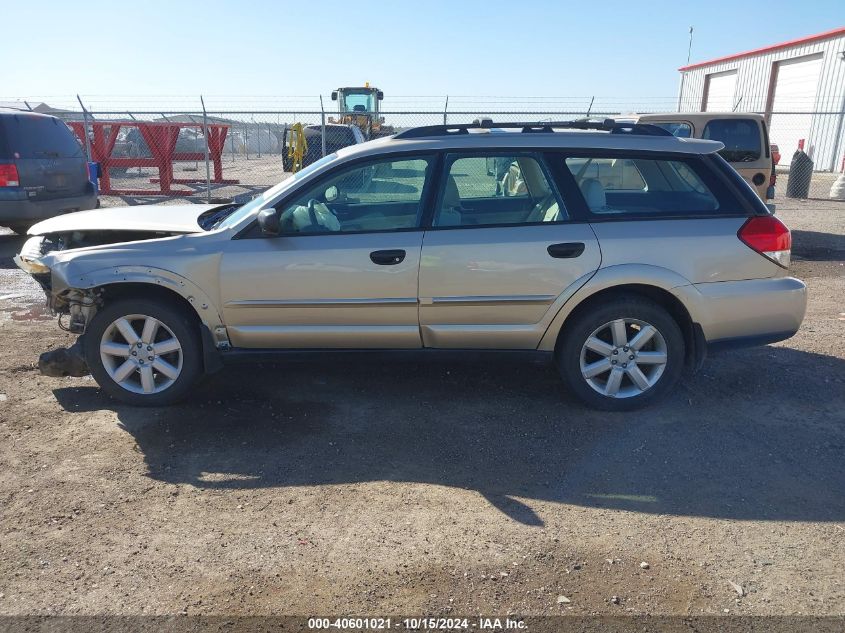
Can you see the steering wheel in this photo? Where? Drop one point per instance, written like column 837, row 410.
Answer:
column 314, row 216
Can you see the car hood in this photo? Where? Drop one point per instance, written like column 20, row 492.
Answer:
column 151, row 217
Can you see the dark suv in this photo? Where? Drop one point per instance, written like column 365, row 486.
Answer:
column 43, row 171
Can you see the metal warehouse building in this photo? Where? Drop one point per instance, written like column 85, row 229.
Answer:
column 799, row 86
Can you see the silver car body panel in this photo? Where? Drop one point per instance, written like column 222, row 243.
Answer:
column 496, row 287
column 699, row 250
column 473, row 287
column 749, row 308
column 312, row 291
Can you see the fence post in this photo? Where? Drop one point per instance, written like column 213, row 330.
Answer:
column 323, row 125
column 445, row 108
column 838, row 136
column 85, row 125
column 205, row 139
column 140, row 169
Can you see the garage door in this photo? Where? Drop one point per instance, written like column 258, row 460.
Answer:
column 721, row 88
column 796, row 81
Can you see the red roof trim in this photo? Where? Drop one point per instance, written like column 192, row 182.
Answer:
column 767, row 49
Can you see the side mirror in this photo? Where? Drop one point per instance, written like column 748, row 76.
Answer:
column 268, row 220
column 334, row 95
column 380, row 95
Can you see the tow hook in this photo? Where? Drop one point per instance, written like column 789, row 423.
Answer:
column 64, row 361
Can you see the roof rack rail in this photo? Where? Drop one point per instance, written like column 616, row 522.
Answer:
column 605, row 125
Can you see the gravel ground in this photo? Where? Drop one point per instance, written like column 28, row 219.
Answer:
column 443, row 487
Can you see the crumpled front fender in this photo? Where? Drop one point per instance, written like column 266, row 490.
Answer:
column 67, row 274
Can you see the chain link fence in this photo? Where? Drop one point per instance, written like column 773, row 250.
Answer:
column 165, row 149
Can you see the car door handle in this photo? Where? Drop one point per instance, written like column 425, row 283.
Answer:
column 388, row 258
column 566, row 250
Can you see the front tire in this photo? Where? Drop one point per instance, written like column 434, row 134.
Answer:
column 621, row 355
column 143, row 352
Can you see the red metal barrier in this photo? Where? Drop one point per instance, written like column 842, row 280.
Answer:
column 161, row 138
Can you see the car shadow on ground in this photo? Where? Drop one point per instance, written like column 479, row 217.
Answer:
column 758, row 434
column 818, row 246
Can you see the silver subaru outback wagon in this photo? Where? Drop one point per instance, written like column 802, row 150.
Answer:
column 621, row 252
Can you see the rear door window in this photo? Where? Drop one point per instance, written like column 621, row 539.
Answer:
column 33, row 136
column 497, row 190
column 740, row 136
column 618, row 185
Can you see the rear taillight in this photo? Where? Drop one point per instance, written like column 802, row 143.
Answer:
column 9, row 176
column 768, row 236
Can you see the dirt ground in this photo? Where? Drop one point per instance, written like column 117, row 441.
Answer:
column 443, row 487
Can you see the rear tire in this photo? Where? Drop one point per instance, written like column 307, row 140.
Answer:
column 621, row 355
column 161, row 362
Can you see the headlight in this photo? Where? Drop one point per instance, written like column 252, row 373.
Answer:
column 32, row 266
column 29, row 257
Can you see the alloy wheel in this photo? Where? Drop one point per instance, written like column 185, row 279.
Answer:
column 141, row 354
column 623, row 358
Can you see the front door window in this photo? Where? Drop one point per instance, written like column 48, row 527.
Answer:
column 384, row 195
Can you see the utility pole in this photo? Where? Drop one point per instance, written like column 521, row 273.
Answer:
column 684, row 74
column 689, row 48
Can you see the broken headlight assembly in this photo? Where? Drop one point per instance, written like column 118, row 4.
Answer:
column 29, row 259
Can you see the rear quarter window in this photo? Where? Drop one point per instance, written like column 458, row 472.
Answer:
column 741, row 137
column 31, row 136
column 616, row 185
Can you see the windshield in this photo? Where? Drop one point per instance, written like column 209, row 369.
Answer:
column 261, row 199
column 358, row 102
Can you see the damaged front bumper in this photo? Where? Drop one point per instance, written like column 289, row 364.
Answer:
column 64, row 361
column 80, row 305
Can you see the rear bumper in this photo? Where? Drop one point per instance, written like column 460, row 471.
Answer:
column 25, row 211
column 750, row 312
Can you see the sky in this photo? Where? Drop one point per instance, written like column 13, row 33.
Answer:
column 120, row 51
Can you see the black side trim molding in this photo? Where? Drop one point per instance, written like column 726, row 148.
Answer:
column 243, row 355
column 727, row 344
